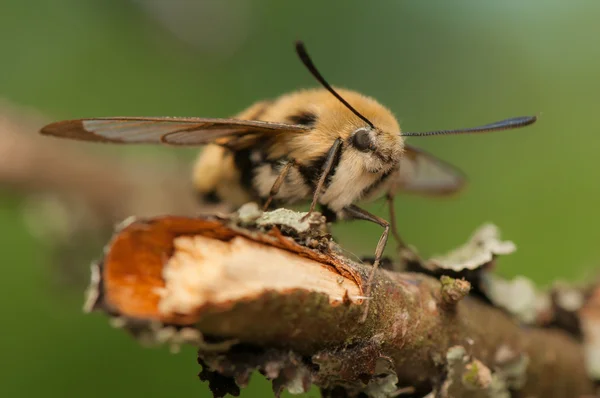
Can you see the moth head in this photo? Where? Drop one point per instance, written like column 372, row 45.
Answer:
column 377, row 149
column 370, row 131
column 376, row 145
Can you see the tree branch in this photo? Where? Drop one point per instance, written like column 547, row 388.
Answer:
column 273, row 293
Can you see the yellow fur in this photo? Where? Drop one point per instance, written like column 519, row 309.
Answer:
column 333, row 120
column 215, row 168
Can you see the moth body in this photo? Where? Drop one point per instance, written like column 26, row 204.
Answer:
column 222, row 175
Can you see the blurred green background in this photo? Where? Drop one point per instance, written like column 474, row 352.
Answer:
column 436, row 64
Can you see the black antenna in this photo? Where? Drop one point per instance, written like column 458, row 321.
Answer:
column 507, row 124
column 301, row 50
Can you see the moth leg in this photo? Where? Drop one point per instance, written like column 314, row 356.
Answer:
column 405, row 253
column 278, row 183
column 357, row 213
column 401, row 246
column 327, row 167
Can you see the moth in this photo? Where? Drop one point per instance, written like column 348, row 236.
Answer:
column 333, row 147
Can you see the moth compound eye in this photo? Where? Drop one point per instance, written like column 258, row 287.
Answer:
column 362, row 140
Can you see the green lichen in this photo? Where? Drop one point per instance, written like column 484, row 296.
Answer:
column 470, row 376
column 477, row 376
column 453, row 290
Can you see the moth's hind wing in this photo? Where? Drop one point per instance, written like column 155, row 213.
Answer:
column 422, row 173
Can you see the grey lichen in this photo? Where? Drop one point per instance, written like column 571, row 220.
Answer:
column 589, row 319
column 298, row 222
column 481, row 248
column 93, row 293
column 591, row 347
column 296, row 381
column 249, row 213
column 456, row 358
column 291, row 219
column 384, row 384
column 469, row 377
column 569, row 298
column 232, row 370
column 511, row 367
column 153, row 333
column 125, row 223
column 518, row 296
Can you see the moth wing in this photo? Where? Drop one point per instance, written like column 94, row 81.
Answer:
column 167, row 130
column 423, row 173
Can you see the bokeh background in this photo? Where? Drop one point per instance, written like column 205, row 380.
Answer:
column 436, row 64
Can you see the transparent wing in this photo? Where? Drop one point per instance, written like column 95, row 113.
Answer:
column 423, row 173
column 164, row 130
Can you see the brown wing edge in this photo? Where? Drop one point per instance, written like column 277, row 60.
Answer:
column 74, row 130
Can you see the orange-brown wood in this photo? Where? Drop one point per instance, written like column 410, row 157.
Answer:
column 132, row 273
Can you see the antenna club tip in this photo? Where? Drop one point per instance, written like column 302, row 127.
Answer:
column 532, row 119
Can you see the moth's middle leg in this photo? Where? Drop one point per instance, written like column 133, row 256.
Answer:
column 278, row 183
